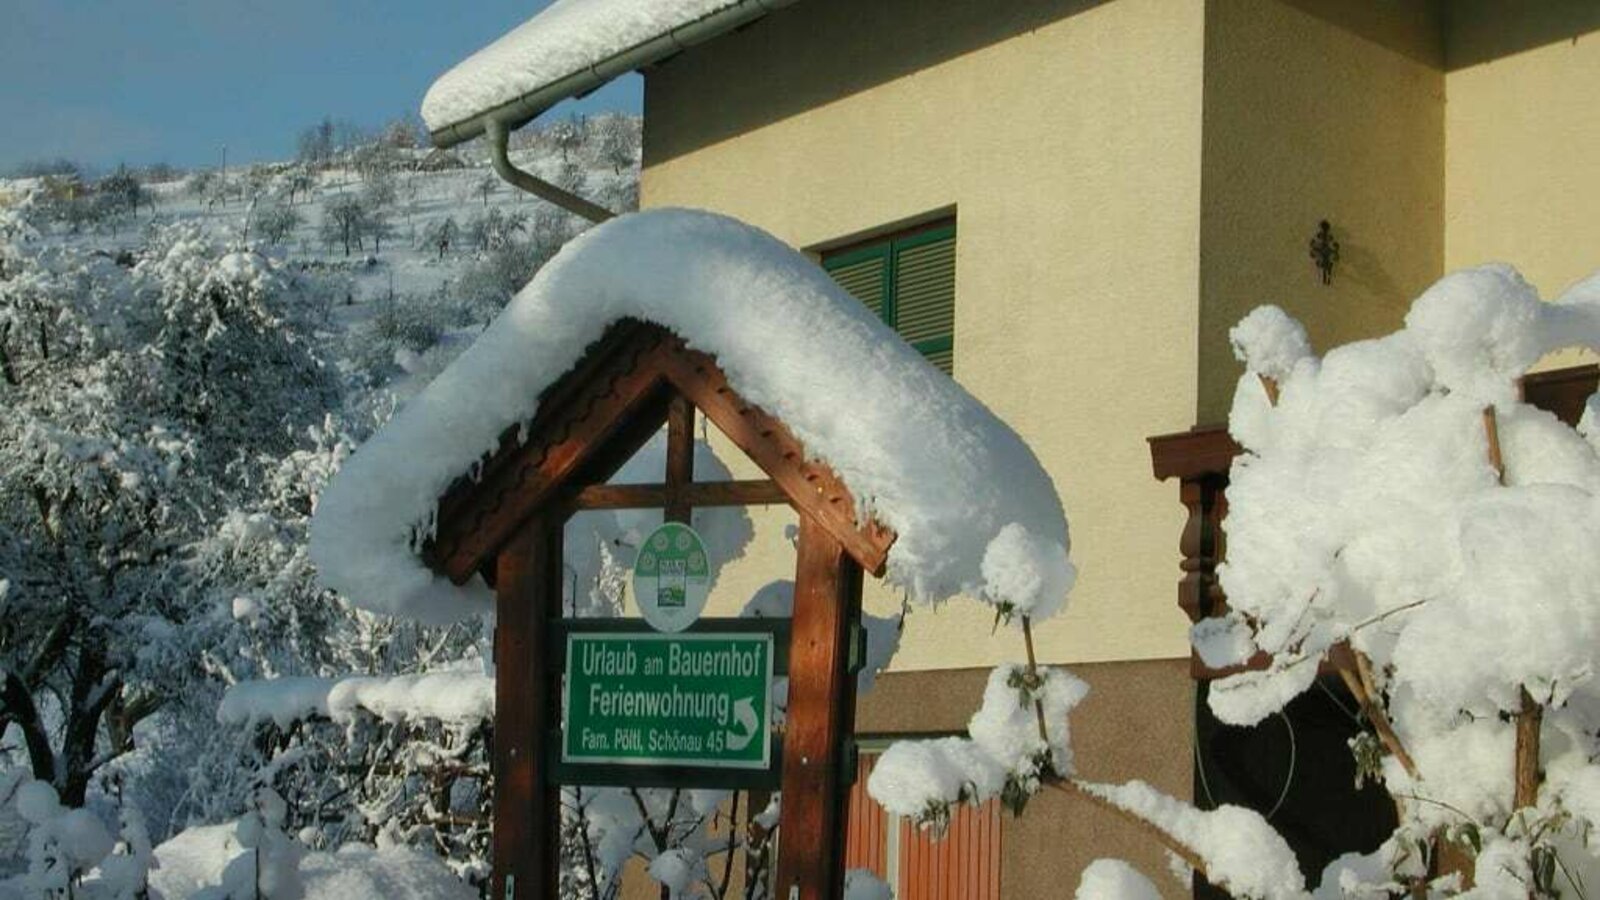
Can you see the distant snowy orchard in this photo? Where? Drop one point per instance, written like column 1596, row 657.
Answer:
column 1401, row 515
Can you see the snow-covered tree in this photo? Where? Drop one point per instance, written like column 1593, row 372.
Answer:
column 344, row 222
column 124, row 191
column 276, row 224
column 139, row 406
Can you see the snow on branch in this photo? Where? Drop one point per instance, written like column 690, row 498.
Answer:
column 453, row 697
column 1006, row 756
column 1236, row 848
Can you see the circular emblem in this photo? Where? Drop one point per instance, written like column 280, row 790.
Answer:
column 670, row 578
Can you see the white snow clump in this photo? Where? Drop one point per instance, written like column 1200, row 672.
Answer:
column 1268, row 341
column 863, row 884
column 1113, row 879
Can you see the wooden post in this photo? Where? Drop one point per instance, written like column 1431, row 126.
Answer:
column 527, row 805
column 821, row 717
column 680, row 457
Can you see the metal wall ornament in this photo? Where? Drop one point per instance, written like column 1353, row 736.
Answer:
column 1324, row 251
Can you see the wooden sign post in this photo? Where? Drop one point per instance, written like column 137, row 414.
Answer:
column 507, row 527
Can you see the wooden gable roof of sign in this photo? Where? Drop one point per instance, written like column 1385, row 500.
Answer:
column 596, row 416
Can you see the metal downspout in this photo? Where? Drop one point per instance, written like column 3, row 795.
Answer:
column 499, row 143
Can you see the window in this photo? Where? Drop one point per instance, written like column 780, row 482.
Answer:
column 909, row 280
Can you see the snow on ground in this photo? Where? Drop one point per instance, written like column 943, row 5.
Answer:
column 949, row 482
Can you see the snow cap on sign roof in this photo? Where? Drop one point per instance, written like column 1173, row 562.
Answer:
column 973, row 510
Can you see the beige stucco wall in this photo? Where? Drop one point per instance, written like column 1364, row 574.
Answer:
column 1521, row 179
column 1335, row 114
column 1065, row 136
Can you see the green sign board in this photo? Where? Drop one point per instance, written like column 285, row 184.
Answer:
column 651, row 699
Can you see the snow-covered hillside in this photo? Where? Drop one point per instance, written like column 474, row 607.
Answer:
column 183, row 363
column 422, row 223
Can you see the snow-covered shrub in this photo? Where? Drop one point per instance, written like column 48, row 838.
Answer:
column 387, row 760
column 72, row 853
column 1401, row 515
column 197, row 862
column 511, row 249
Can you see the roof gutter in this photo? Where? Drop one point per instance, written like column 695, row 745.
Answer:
column 499, row 141
column 516, row 113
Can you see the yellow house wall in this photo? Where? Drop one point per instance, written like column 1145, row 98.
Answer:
column 1067, row 142
column 1331, row 111
column 1522, row 183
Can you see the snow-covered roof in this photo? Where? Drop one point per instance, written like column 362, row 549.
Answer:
column 570, row 48
column 973, row 510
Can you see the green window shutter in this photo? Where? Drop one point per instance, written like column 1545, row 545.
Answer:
column 910, row 283
column 925, row 294
column 865, row 275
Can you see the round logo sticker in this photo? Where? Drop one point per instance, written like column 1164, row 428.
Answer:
column 670, row 577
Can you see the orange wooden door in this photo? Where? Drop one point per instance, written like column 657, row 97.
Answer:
column 963, row 864
column 866, row 843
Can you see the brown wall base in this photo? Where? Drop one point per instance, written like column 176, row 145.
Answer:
column 1137, row 722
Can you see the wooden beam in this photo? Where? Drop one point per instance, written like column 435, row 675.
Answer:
column 526, row 840
column 624, row 339
column 1202, row 450
column 821, row 717
column 561, row 443
column 1562, row 392
column 757, row 492
column 680, row 456
column 811, row 486
column 596, row 417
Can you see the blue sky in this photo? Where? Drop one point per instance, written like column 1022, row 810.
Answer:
column 143, row 81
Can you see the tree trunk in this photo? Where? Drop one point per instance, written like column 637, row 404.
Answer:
column 91, row 694
column 8, row 370
column 20, row 708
